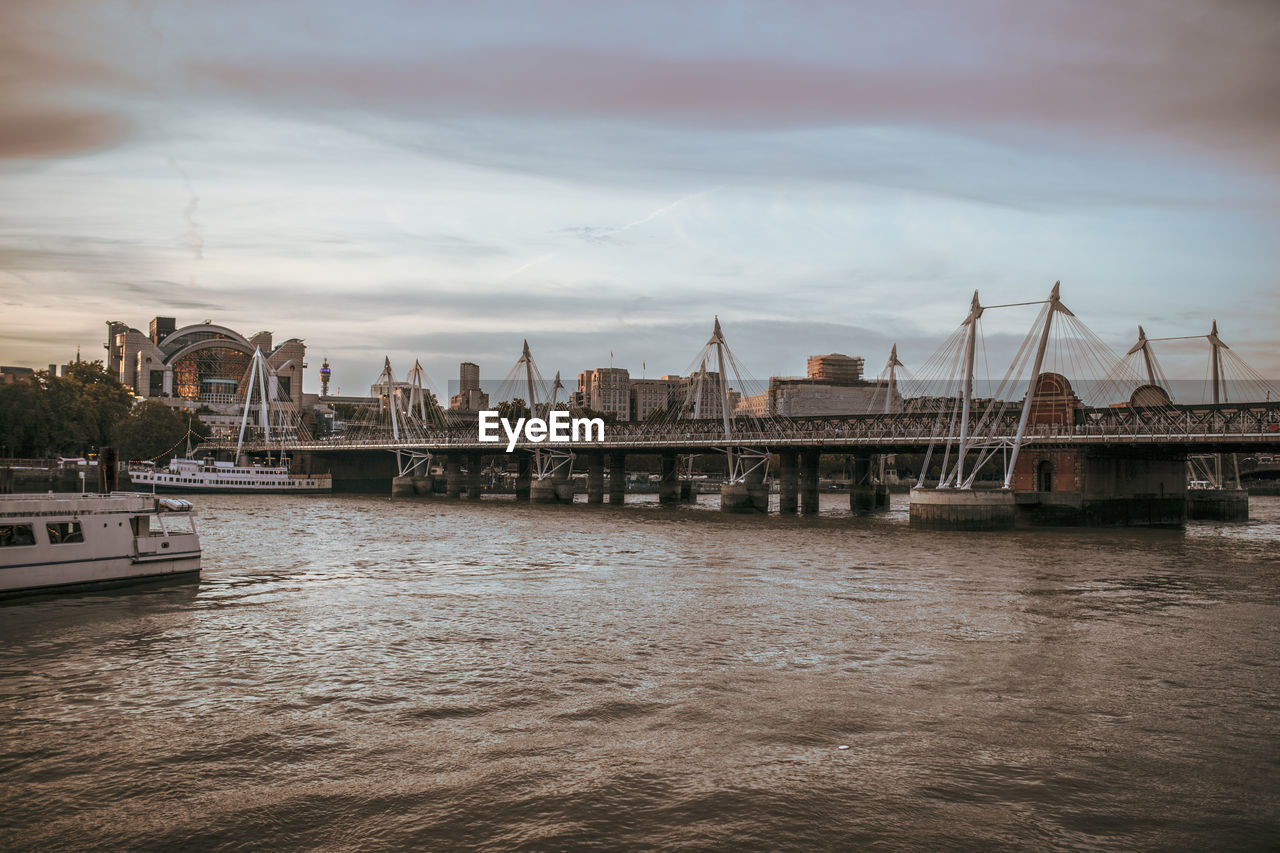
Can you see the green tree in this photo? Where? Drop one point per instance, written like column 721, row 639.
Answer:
column 70, row 414
column 513, row 409
column 588, row 412
column 152, row 430
column 25, row 420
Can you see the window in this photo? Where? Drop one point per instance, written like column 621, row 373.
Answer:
column 64, row 532
column 16, row 534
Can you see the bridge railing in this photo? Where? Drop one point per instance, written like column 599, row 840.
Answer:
column 1120, row 423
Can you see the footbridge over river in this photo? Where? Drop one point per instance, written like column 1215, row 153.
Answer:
column 1071, row 434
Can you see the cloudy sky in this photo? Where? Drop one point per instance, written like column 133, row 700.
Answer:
column 441, row 180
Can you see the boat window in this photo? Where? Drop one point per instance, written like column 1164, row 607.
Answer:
column 176, row 523
column 16, row 534
column 64, row 532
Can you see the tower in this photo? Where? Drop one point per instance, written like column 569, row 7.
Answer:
column 324, row 378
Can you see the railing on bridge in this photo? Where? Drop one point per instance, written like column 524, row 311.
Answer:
column 1123, row 425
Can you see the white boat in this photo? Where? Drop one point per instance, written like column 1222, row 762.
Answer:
column 57, row 542
column 207, row 475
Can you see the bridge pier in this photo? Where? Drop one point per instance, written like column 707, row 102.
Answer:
column 475, row 472
column 809, row 482
column 617, row 478
column 864, row 494
column 668, row 484
column 563, row 485
column 523, row 465
column 542, row 491
column 1218, row 504
column 751, row 495
column 423, row 486
column 788, row 482
column 595, row 478
column 453, row 475
column 402, row 487
column 962, row 509
column 1100, row 486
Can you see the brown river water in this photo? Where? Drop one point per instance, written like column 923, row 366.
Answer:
column 358, row 673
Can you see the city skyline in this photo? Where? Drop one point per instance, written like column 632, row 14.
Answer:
column 435, row 183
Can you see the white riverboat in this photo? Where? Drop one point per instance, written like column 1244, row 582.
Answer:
column 207, row 475
column 57, row 542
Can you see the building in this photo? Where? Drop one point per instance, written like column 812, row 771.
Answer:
column 835, row 367
column 833, row 386
column 204, row 366
column 699, row 394
column 9, row 375
column 755, row 406
column 470, row 399
column 605, row 389
column 651, row 395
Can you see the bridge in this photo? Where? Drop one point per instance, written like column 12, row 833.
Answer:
column 1073, row 432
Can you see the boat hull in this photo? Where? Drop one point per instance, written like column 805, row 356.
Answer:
column 86, row 576
column 215, row 489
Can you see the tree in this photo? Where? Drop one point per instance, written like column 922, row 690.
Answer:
column 70, row 414
column 588, row 412
column 513, row 409
column 25, row 420
column 152, row 430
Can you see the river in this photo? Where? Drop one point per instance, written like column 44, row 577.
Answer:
column 358, row 673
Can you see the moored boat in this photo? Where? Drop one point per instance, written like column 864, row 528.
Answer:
column 61, row 542
column 207, row 475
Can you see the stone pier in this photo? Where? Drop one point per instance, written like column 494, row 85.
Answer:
column 1218, row 504
column 523, row 466
column 1134, row 486
column 475, row 473
column 809, row 482
column 788, row 482
column 563, row 483
column 668, row 484
column 542, row 491
column 617, row 478
column 864, row 494
column 962, row 509
column 453, row 475
column 751, row 495
column 595, row 478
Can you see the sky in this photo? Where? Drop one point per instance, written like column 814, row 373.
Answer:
column 439, row 181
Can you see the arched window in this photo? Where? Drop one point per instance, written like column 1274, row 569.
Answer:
column 1044, row 476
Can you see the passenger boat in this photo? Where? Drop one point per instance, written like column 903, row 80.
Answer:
column 58, row 542
column 207, row 475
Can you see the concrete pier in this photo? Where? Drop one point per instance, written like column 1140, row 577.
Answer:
column 542, row 491
column 523, row 466
column 595, row 478
column 668, row 484
column 422, row 485
column 475, row 472
column 402, row 487
column 617, row 478
column 453, row 475
column 788, row 482
column 563, row 483
column 751, row 495
column 865, row 495
column 1218, row 504
column 809, row 482
column 963, row 509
